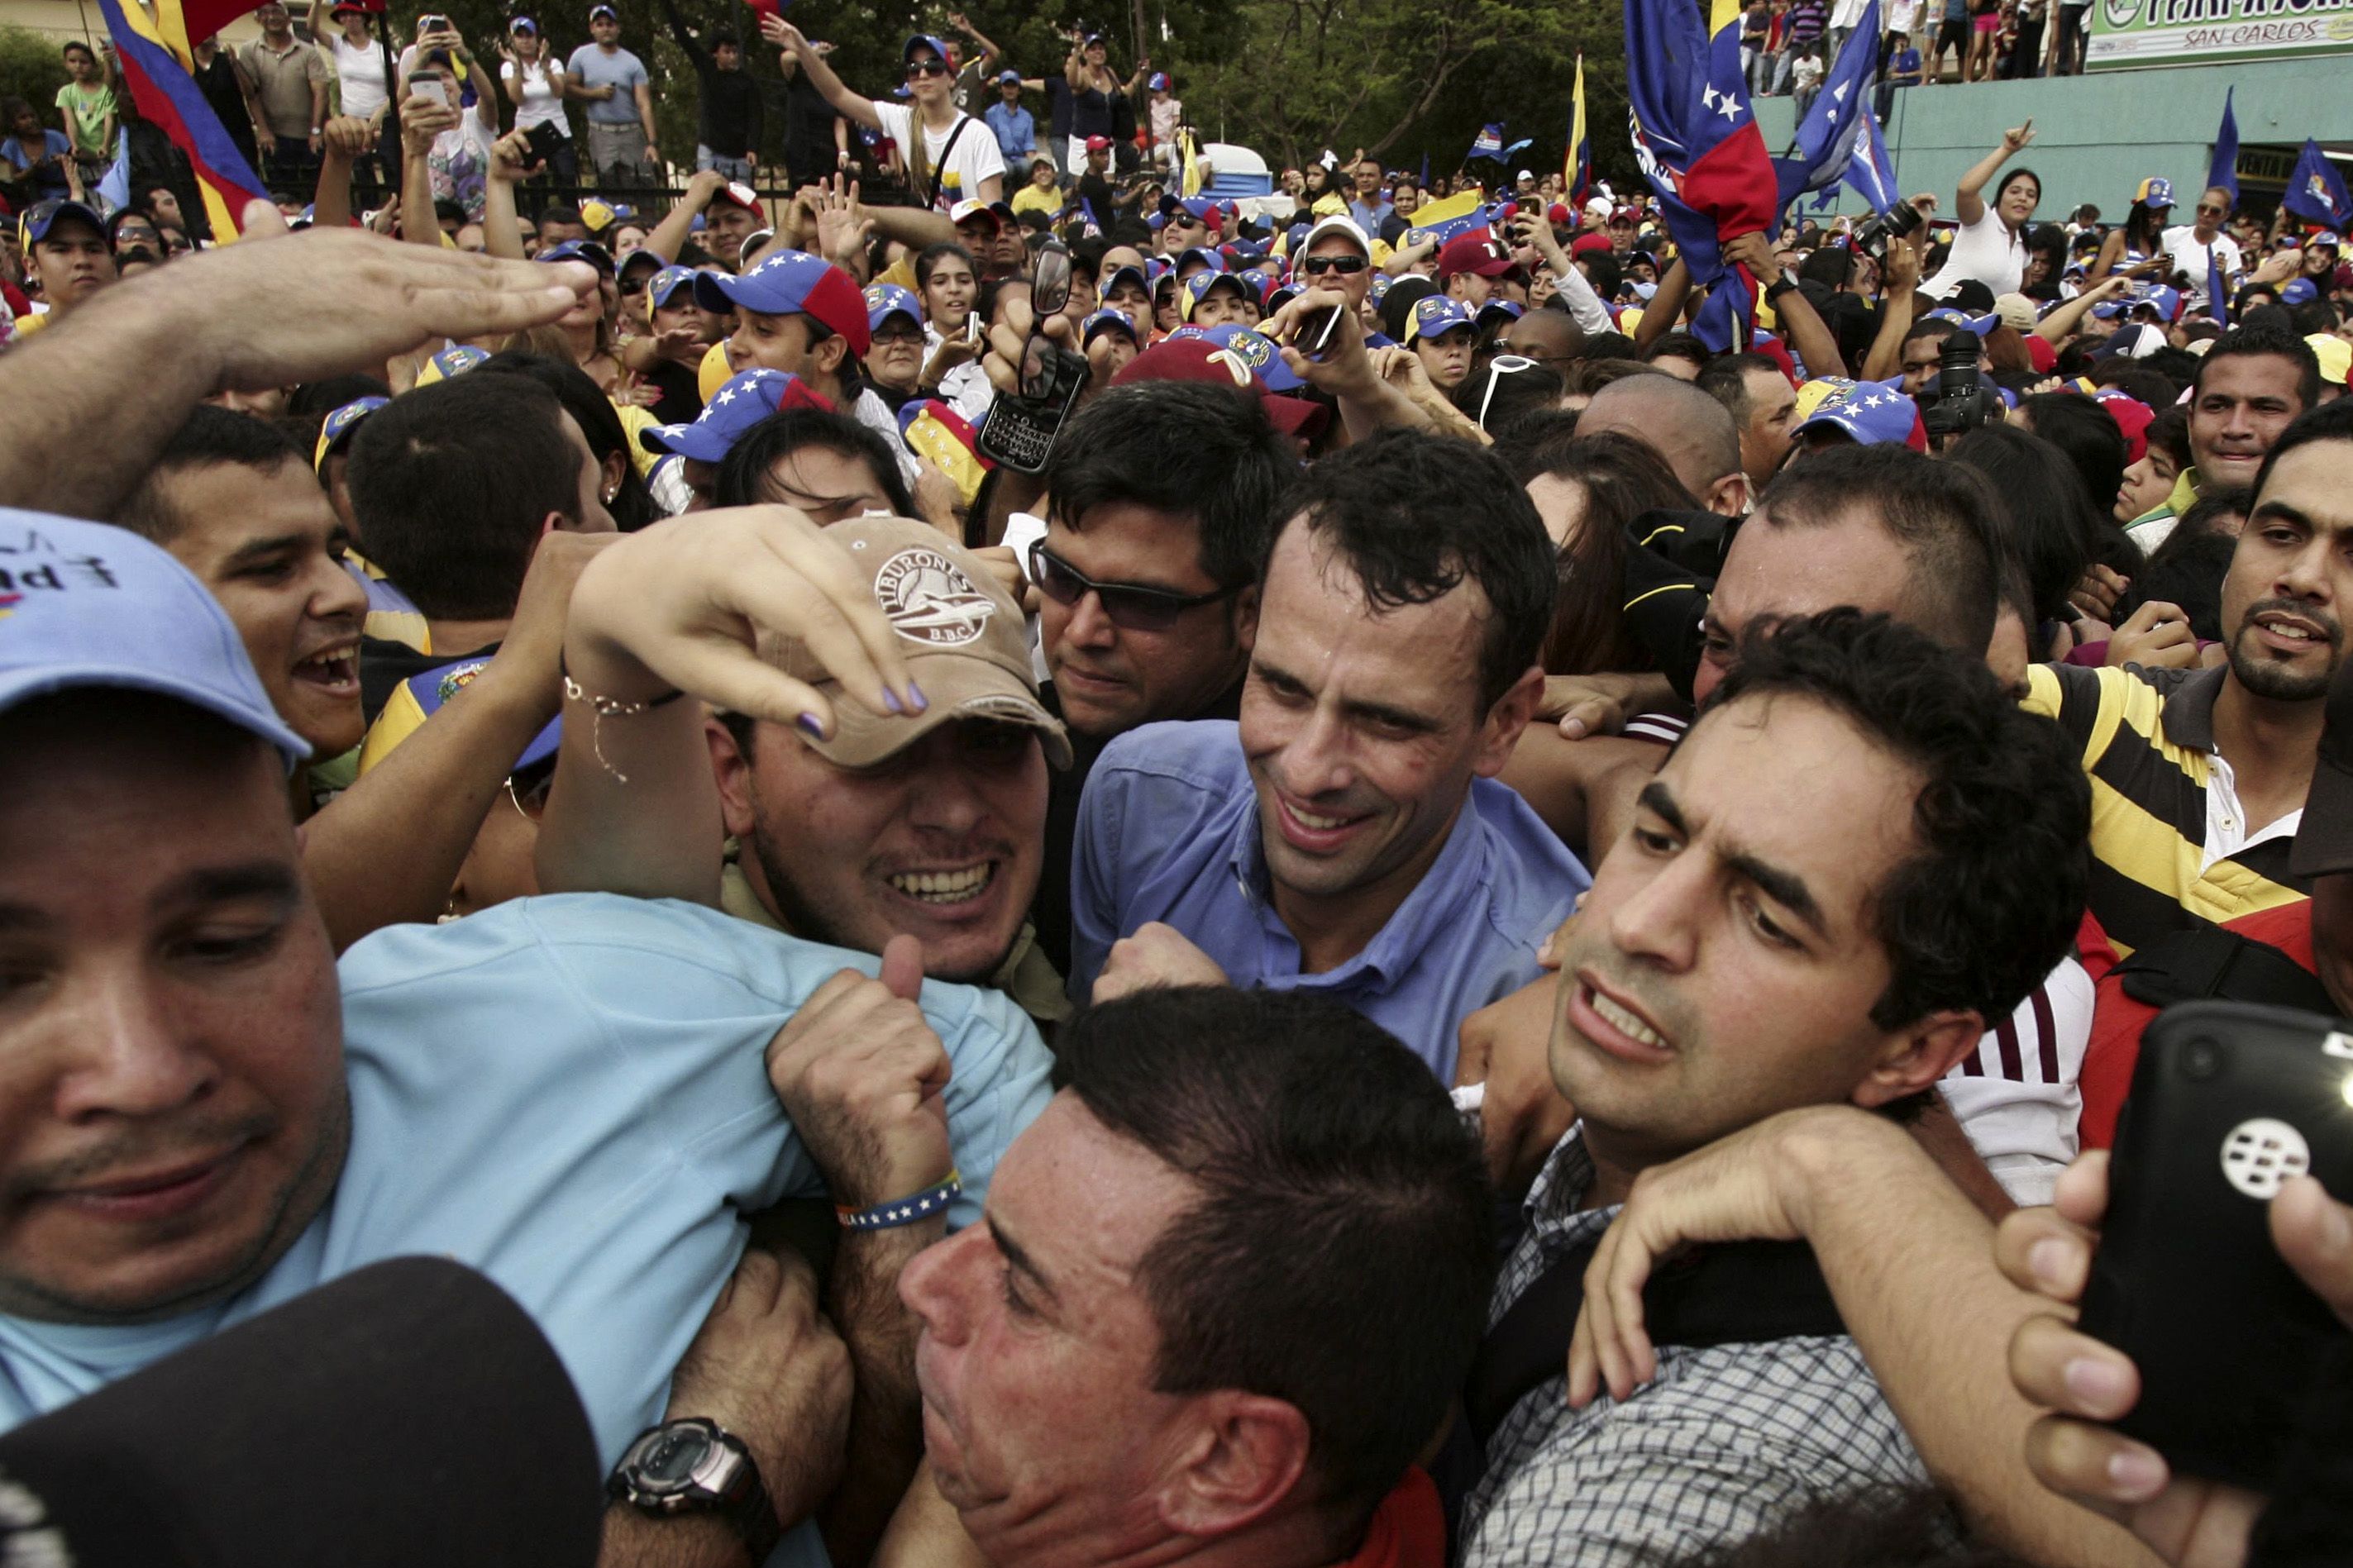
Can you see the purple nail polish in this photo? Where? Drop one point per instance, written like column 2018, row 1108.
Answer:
column 890, row 701
column 916, row 692
column 810, row 723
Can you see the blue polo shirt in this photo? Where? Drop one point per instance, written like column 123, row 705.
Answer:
column 569, row 1094
column 1016, row 129
column 1168, row 831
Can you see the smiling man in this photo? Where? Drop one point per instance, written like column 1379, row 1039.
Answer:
column 1349, row 837
column 2250, row 385
column 1861, row 852
column 2202, row 772
column 234, row 500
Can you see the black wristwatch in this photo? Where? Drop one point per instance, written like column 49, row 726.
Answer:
column 691, row 1466
column 1780, row 286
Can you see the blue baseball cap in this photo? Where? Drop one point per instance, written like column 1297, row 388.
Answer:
column 1105, row 322
column 1202, row 253
column 1005, row 76
column 1158, row 83
column 1869, row 413
column 939, row 46
column 586, row 251
column 792, row 283
column 1499, row 313
column 742, row 402
column 1257, row 351
column 2295, row 291
column 1197, row 289
column 455, row 360
column 433, row 689
column 1435, row 316
column 666, row 284
column 1981, row 325
column 337, row 427
column 885, row 301
column 42, row 216
column 1126, row 275
column 2155, row 192
column 84, row 604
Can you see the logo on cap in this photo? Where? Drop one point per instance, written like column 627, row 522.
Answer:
column 930, row 600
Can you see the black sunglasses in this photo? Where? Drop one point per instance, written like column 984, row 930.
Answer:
column 1316, row 265
column 930, row 68
column 1130, row 608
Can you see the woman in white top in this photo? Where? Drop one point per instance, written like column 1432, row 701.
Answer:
column 357, row 57
column 535, row 82
column 1991, row 246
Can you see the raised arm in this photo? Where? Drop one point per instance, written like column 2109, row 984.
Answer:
column 698, row 56
column 1802, row 324
column 670, row 236
column 2060, row 324
column 1666, row 305
column 852, row 105
column 509, row 161
column 1909, row 1260
column 344, row 141
column 1902, row 276
column 1966, row 203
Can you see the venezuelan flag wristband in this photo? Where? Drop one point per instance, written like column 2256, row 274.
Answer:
column 902, row 1211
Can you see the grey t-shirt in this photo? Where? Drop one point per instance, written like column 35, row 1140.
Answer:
column 621, row 70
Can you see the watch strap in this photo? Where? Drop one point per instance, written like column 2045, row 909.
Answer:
column 743, row 1503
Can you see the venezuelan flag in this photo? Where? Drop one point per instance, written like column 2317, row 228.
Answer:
column 1441, row 221
column 932, row 429
column 155, row 56
column 1576, row 177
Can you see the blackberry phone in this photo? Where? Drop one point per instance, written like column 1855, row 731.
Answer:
column 2229, row 1100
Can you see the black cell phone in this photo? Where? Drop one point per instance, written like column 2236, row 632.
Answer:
column 1528, row 204
column 433, row 22
column 2229, row 1100
column 543, row 140
column 1019, row 428
column 1313, row 337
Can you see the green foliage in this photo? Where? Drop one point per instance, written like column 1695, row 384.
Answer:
column 31, row 69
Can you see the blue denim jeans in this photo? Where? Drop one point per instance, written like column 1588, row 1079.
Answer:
column 738, row 169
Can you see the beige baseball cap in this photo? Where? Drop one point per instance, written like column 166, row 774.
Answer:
column 968, row 644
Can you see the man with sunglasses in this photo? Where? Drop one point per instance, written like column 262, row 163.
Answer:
column 1161, row 497
column 956, row 159
column 1349, row 836
column 2199, row 248
column 1338, row 256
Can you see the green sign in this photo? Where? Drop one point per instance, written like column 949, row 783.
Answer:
column 2128, row 33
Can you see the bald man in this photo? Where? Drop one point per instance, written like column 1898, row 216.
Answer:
column 1692, row 431
column 1547, row 336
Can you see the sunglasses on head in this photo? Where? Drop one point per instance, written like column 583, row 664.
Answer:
column 929, row 67
column 1316, row 265
column 1131, row 608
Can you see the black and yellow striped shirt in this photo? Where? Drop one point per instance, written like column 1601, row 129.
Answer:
column 2146, row 737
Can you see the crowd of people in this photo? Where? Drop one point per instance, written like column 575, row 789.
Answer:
column 1790, row 46
column 1111, row 881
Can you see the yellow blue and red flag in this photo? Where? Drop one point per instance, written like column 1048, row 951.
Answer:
column 156, row 57
column 1576, row 176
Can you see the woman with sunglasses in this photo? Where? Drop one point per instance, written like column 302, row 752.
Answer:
column 955, row 158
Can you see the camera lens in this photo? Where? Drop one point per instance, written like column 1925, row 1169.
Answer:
column 2202, row 1060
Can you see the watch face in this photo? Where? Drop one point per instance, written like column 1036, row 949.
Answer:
column 668, row 1459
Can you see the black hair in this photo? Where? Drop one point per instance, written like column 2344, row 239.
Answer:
column 1515, row 392
column 2137, row 378
column 2332, row 421
column 451, row 484
column 633, row 505
column 2314, row 317
column 2002, row 183
column 208, row 437
column 927, row 260
column 1946, row 518
column 1339, row 1251
column 1415, row 515
column 1830, row 265
column 1609, row 345
column 2142, row 231
column 2088, row 436
column 1603, row 271
column 2187, row 569
column 1398, row 304
column 1621, row 479
column 1676, row 345
column 561, row 211
column 1993, row 889
column 722, row 37
column 2049, row 523
column 324, row 397
column 2254, row 338
column 73, row 44
column 446, row 211
column 1187, row 448
column 1726, row 379
column 1880, row 1526
column 1937, row 327
column 742, row 476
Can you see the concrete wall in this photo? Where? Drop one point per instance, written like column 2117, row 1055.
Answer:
column 63, row 19
column 2096, row 137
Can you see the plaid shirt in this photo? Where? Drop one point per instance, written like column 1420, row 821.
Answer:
column 1720, row 1446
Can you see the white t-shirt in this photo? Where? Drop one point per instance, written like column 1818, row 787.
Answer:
column 1903, row 16
column 1847, row 13
column 977, row 156
column 361, row 71
column 541, row 103
column 1984, row 251
column 2190, row 255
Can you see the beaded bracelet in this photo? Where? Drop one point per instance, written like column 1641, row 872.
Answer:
column 902, row 1211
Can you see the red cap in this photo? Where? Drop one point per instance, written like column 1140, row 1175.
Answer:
column 1097, row 144
column 1201, row 360
column 2042, row 353
column 1589, row 242
column 1478, row 252
column 1556, row 215
column 2133, row 417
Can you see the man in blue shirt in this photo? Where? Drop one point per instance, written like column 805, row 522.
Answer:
column 1348, row 836
column 204, row 1118
column 1015, row 127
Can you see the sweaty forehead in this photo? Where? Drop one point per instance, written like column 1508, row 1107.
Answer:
column 1783, row 569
